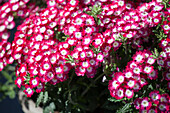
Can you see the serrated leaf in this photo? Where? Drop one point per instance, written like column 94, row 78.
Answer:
column 50, row 108
column 45, row 97
column 52, row 105
column 39, row 99
column 124, row 109
column 112, row 99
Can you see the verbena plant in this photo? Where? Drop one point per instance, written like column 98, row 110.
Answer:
column 89, row 55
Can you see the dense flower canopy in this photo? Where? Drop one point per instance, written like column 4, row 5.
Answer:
column 83, row 35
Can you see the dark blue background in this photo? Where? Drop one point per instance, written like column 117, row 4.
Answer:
column 10, row 106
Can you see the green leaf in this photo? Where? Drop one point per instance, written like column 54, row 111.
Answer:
column 12, row 94
column 68, row 62
column 112, row 99
column 11, row 68
column 159, row 68
column 52, row 105
column 66, row 59
column 98, row 22
column 50, row 108
column 150, row 86
column 6, row 75
column 124, row 109
column 70, row 57
column 45, row 97
column 3, row 88
column 39, row 99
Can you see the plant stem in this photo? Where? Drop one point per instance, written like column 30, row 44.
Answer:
column 86, row 90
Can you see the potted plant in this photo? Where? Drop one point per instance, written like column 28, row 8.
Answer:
column 90, row 56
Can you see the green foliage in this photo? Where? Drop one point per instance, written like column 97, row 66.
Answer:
column 78, row 94
column 125, row 108
column 50, row 108
column 8, row 88
column 69, row 59
column 60, row 36
column 166, row 3
column 155, row 53
column 95, row 10
column 45, row 97
column 112, row 99
column 42, row 98
column 39, row 99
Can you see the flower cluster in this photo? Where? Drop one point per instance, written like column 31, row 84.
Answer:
column 166, row 22
column 80, row 35
column 134, row 77
column 155, row 103
column 131, row 20
column 164, row 59
column 7, row 23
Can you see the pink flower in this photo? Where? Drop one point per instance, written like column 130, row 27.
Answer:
column 128, row 73
column 131, row 83
column 34, row 82
column 164, row 98
column 46, row 65
column 100, row 57
column 139, row 57
column 19, row 81
column 82, row 55
column 143, row 81
column 129, row 93
column 163, row 107
column 22, row 69
column 119, row 93
column 58, row 69
column 167, row 75
column 153, row 75
column 28, row 91
column 85, row 64
column 137, row 87
column 155, row 96
column 137, row 70
column 153, row 109
column 113, row 84
column 116, row 45
column 40, row 88
column 147, row 69
column 97, row 42
column 145, row 104
column 60, row 1
column 88, row 30
column 49, row 75
column 119, row 77
column 150, row 60
column 137, row 103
